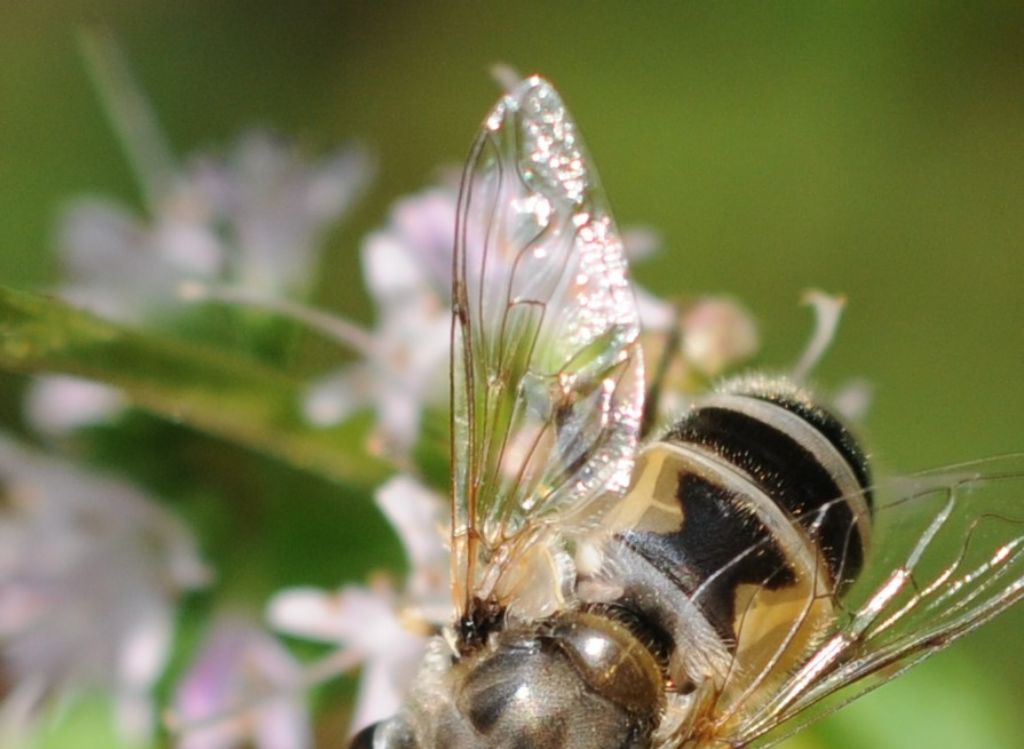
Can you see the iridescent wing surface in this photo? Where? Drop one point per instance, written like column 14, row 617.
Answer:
column 948, row 555
column 547, row 379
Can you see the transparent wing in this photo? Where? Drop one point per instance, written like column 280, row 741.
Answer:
column 948, row 556
column 547, row 380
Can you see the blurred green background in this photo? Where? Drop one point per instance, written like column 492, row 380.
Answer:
column 874, row 149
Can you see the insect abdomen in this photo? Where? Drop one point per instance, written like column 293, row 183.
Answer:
column 799, row 455
column 755, row 507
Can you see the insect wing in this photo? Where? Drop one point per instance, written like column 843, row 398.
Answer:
column 547, row 379
column 948, row 556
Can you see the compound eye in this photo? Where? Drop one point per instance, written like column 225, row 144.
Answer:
column 392, row 733
column 364, row 739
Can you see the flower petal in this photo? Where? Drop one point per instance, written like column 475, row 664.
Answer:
column 243, row 689
column 415, row 513
column 57, row 405
column 718, row 332
column 332, row 399
column 90, row 569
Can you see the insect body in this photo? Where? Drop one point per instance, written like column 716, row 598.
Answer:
column 699, row 591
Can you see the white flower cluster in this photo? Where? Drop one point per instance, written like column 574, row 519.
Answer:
column 90, row 570
column 381, row 627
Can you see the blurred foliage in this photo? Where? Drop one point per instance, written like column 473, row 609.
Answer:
column 226, row 395
column 874, row 149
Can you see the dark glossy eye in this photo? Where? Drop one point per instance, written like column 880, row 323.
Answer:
column 393, row 733
column 364, row 739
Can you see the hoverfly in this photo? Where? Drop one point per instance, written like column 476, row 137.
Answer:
column 718, row 585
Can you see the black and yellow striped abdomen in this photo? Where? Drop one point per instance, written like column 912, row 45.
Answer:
column 801, row 458
column 748, row 519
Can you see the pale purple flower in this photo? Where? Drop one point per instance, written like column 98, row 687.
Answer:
column 90, row 571
column 255, row 219
column 379, row 627
column 272, row 206
column 254, row 222
column 124, row 267
column 402, row 366
column 244, row 689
